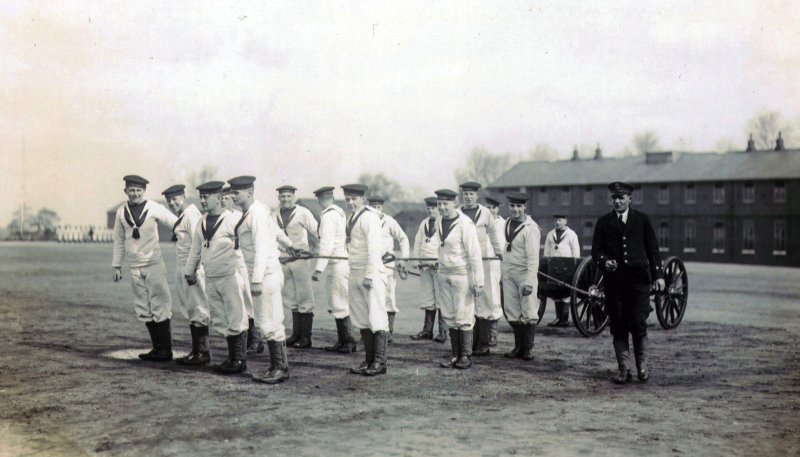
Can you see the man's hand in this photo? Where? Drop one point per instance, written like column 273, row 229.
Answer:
column 660, row 284
column 191, row 279
column 367, row 283
column 527, row 290
column 294, row 252
column 255, row 289
column 477, row 290
column 316, row 275
column 117, row 273
column 500, row 256
column 611, row 265
column 401, row 265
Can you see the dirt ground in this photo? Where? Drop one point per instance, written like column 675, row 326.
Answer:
column 725, row 382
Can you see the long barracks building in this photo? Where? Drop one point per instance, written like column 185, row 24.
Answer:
column 740, row 207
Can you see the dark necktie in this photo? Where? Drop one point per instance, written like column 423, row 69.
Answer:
column 621, row 221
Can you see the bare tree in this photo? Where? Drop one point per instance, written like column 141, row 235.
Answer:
column 483, row 167
column 645, row 142
column 380, row 184
column 765, row 127
column 543, row 152
column 203, row 175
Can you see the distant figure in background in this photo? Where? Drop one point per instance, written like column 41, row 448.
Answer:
column 192, row 300
column 625, row 247
column 136, row 241
column 426, row 245
column 392, row 232
column 562, row 241
column 298, row 224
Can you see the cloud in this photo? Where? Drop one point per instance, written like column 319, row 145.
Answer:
column 311, row 94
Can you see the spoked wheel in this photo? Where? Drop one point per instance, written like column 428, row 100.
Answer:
column 671, row 305
column 588, row 308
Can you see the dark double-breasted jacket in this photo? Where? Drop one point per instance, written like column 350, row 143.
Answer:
column 633, row 245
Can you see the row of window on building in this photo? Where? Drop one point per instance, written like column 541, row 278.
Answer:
column 663, row 195
column 718, row 236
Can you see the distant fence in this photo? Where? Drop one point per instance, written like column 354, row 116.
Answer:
column 83, row 234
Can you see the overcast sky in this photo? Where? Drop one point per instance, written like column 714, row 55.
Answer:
column 311, row 93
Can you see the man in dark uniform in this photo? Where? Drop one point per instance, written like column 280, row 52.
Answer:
column 625, row 248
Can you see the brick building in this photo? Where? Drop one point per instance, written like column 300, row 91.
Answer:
column 740, row 207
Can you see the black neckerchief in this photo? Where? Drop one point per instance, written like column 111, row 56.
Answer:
column 430, row 228
column 177, row 223
column 208, row 234
column 559, row 237
column 288, row 220
column 134, row 222
column 477, row 214
column 511, row 235
column 236, row 229
column 353, row 218
column 443, row 234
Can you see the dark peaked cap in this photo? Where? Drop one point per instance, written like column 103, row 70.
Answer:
column 617, row 187
column 174, row 190
column 241, row 182
column 470, row 185
column 135, row 180
column 287, row 188
column 517, row 197
column 430, row 201
column 446, row 194
column 323, row 190
column 376, row 198
column 355, row 189
column 492, row 200
column 560, row 216
column 211, row 187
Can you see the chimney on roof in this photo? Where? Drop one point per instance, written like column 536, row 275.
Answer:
column 779, row 143
column 575, row 153
column 751, row 145
column 598, row 153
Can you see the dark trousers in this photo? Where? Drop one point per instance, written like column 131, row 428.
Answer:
column 628, row 307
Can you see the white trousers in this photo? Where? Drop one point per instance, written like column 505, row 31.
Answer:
column 297, row 290
column 391, row 286
column 151, row 298
column 243, row 279
column 269, row 306
column 228, row 314
column 519, row 308
column 368, row 306
column 192, row 301
column 337, row 276
column 488, row 304
column 429, row 294
column 457, row 303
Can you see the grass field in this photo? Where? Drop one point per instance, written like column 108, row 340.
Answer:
column 725, row 382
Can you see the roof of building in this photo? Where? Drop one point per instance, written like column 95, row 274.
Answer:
column 656, row 167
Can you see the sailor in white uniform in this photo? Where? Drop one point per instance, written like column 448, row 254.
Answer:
column 136, row 241
column 392, row 233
